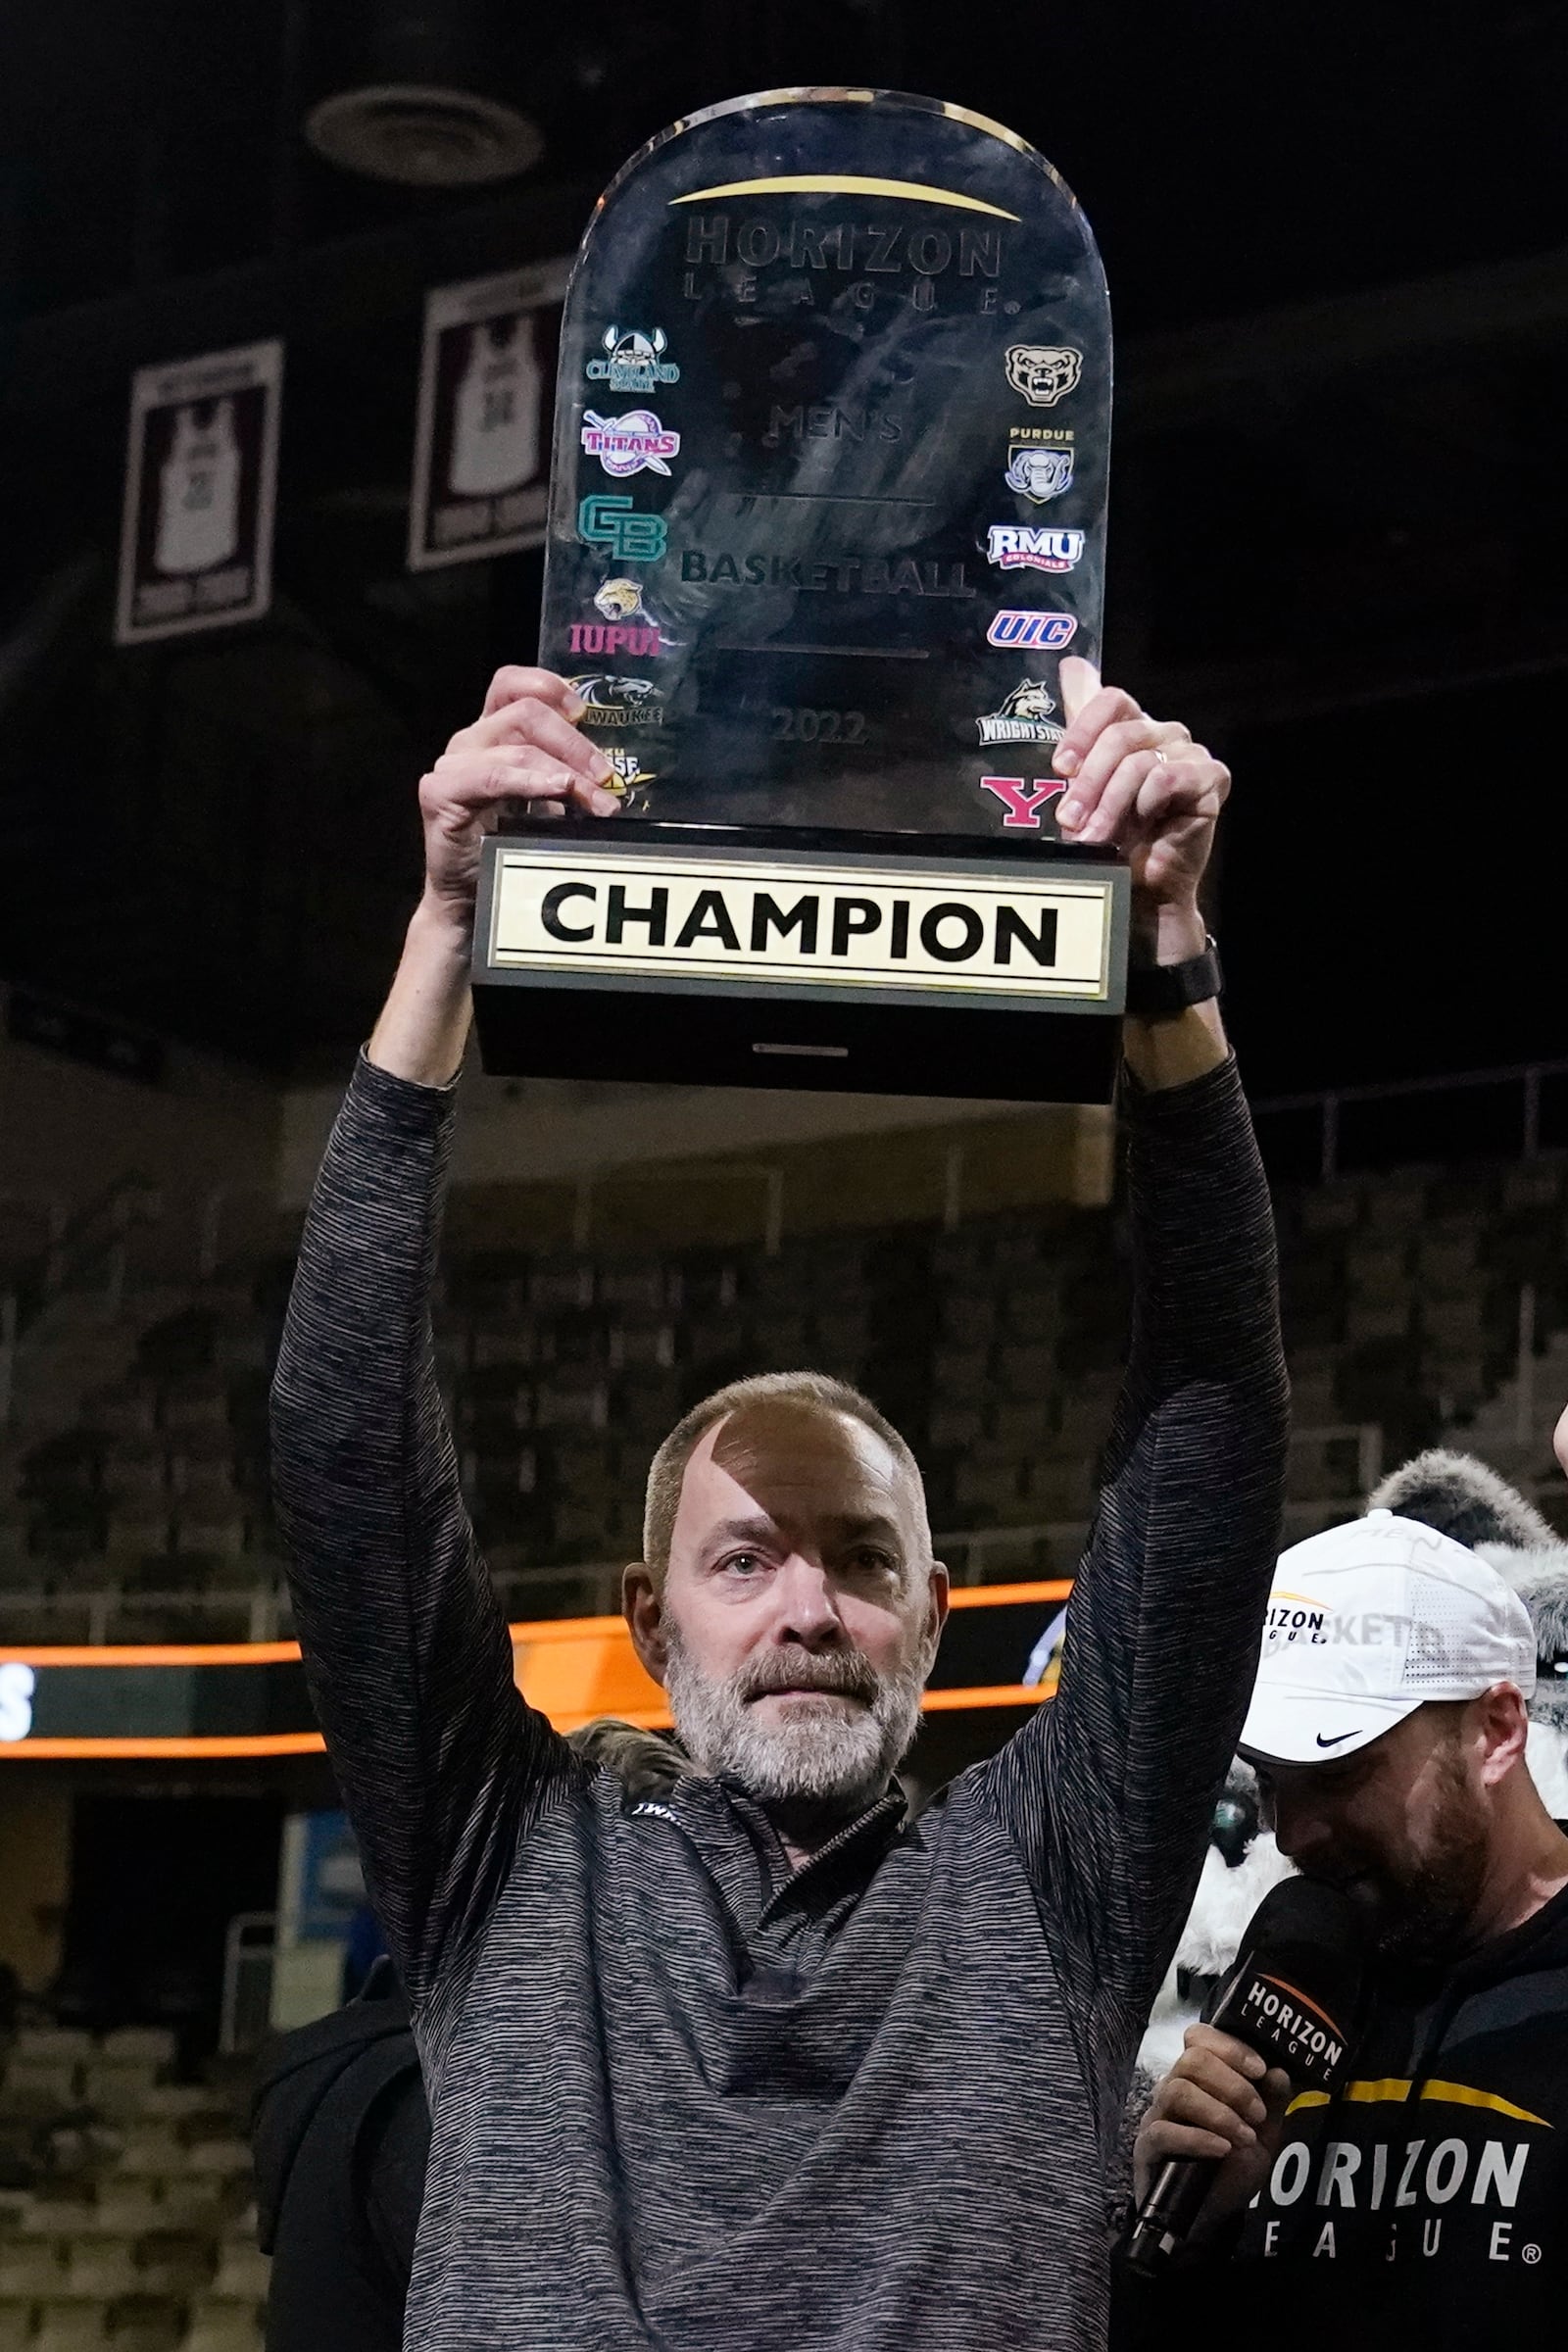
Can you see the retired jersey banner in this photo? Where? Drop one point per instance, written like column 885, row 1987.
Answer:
column 201, row 486
column 481, row 459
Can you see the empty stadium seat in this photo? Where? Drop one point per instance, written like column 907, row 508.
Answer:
column 223, row 2328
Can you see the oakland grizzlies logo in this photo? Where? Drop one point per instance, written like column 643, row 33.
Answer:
column 1037, row 473
column 1024, row 717
column 1044, row 372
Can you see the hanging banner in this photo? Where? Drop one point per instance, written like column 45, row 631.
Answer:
column 201, row 484
column 481, row 458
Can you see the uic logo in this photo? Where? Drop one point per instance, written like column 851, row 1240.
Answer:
column 605, row 520
column 1048, row 631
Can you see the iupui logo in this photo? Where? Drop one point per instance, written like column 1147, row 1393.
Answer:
column 619, row 702
column 1019, row 546
column 627, row 628
column 1044, row 372
column 634, row 361
column 1046, row 631
column 629, row 444
column 1291, row 2031
column 1024, row 717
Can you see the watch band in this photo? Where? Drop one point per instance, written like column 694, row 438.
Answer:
column 1156, row 991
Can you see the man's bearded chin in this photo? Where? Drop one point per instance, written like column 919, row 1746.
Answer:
column 1420, row 1905
column 841, row 1757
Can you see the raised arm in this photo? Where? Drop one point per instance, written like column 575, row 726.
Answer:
column 440, row 1763
column 1107, row 1791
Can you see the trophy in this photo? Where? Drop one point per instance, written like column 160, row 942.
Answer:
column 827, row 507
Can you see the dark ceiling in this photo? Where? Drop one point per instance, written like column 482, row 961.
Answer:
column 1337, row 239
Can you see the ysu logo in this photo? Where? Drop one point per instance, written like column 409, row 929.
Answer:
column 607, row 521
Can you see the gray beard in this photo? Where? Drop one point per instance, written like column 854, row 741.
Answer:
column 841, row 1759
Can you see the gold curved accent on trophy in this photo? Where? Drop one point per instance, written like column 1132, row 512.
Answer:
column 837, row 183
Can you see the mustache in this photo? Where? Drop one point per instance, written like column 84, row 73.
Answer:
column 845, row 1674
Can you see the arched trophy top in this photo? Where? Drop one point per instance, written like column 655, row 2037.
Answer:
column 828, row 494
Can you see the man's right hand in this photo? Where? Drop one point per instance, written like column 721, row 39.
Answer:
column 524, row 746
column 1218, row 2102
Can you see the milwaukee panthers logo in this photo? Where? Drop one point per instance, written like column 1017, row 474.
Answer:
column 1044, row 372
column 619, row 702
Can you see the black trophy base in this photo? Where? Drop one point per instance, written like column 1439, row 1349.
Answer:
column 551, row 1002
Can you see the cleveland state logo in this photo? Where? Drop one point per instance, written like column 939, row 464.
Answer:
column 1044, row 372
column 1024, row 717
column 619, row 702
column 634, row 361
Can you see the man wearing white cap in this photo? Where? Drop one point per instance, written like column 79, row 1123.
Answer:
column 1427, row 2200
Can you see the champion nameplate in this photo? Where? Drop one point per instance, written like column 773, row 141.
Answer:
column 788, row 921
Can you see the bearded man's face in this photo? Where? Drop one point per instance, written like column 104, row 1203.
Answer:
column 1401, row 1826
column 801, row 1607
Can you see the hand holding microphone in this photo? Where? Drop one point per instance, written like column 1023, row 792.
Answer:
column 1221, row 2105
column 1283, row 2020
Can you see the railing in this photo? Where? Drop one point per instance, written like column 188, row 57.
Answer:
column 973, row 1555
column 1328, row 1104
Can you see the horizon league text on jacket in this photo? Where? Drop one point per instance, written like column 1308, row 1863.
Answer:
column 814, row 253
column 1422, row 2184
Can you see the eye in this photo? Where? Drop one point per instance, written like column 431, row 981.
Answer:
column 744, row 1564
column 872, row 1560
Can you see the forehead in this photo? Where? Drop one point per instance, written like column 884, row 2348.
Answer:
column 794, row 1460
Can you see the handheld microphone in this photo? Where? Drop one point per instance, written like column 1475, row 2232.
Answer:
column 1291, row 1997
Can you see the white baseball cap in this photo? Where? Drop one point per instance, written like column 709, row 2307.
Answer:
column 1367, row 1622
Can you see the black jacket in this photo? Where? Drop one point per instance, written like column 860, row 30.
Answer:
column 340, row 2131
column 1423, row 2204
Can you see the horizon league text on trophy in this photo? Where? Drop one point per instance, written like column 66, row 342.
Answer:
column 845, row 247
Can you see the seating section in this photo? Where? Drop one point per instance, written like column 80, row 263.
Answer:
column 125, row 2214
column 997, row 1347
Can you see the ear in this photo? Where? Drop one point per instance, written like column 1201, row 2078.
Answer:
column 1502, row 1727
column 941, row 1593
column 644, row 1611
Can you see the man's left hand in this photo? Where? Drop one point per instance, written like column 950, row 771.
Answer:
column 1140, row 785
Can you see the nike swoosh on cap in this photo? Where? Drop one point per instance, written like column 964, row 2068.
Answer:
column 1335, row 1741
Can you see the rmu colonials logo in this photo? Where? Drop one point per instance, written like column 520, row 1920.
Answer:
column 1044, row 372
column 628, row 444
column 634, row 361
column 1019, row 546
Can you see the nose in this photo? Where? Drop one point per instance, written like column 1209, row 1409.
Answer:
column 1299, row 1828
column 808, row 1608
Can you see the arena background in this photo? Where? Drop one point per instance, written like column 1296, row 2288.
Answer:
column 1337, row 250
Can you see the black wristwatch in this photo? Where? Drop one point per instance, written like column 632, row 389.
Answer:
column 1157, row 991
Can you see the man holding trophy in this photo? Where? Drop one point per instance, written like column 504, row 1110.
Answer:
column 765, row 2063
